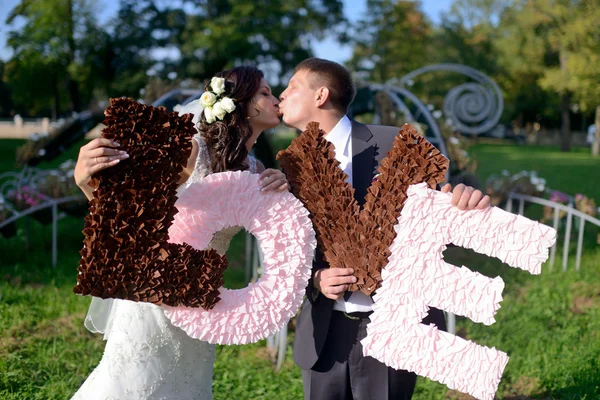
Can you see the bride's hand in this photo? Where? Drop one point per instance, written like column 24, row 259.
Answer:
column 95, row 156
column 273, row 180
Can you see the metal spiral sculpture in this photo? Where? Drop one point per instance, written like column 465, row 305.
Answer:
column 473, row 107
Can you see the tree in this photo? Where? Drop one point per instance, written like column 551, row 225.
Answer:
column 125, row 57
column 391, row 40
column 576, row 38
column 46, row 51
column 556, row 42
column 455, row 43
column 78, row 60
column 275, row 34
column 467, row 33
column 6, row 103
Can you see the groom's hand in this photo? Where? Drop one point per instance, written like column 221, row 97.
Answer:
column 467, row 197
column 333, row 282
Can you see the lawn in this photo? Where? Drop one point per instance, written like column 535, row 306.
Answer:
column 572, row 172
column 549, row 324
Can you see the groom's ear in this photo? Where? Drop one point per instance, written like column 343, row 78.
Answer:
column 321, row 96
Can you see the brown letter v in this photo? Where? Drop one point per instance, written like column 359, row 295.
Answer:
column 350, row 237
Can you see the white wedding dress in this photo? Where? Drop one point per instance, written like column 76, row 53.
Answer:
column 147, row 358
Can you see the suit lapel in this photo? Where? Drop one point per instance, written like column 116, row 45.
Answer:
column 363, row 160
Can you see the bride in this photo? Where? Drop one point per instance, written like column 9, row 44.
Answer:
column 145, row 356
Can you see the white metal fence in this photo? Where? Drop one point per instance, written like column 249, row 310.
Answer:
column 570, row 212
column 15, row 181
column 276, row 344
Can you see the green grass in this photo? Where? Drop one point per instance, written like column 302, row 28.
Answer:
column 8, row 148
column 45, row 352
column 573, row 172
column 548, row 324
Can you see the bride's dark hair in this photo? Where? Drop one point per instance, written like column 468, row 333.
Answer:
column 226, row 139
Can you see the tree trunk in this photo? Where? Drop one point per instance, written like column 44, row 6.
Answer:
column 55, row 95
column 72, row 83
column 565, row 126
column 565, row 117
column 596, row 143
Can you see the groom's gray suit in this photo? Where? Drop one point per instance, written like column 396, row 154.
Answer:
column 327, row 344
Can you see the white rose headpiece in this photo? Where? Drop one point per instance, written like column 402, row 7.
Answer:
column 215, row 106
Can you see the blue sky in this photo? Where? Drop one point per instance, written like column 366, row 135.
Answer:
column 328, row 49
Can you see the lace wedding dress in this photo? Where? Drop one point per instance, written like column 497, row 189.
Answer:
column 147, row 358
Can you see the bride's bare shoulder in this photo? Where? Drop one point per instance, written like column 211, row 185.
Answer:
column 191, row 163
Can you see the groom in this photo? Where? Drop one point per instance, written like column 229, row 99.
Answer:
column 332, row 321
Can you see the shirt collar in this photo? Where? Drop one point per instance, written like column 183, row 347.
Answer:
column 340, row 135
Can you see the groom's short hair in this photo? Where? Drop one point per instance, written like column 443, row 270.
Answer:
column 333, row 76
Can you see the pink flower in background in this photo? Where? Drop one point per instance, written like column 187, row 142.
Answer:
column 24, row 198
column 585, row 204
column 559, row 197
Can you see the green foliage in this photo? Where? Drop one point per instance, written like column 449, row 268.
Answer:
column 48, row 54
column 275, row 33
column 542, row 53
column 519, row 44
column 82, row 62
column 6, row 102
column 391, row 40
column 549, row 49
column 467, row 33
column 125, row 56
column 30, row 94
column 573, row 33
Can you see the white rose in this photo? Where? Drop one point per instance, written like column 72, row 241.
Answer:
column 218, row 110
column 209, row 115
column 227, row 104
column 217, row 85
column 207, row 99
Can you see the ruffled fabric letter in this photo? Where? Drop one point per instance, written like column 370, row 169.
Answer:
column 417, row 277
column 286, row 237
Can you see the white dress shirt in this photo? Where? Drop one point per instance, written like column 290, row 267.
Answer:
column 341, row 137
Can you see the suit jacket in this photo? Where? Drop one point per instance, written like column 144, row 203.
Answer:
column 370, row 145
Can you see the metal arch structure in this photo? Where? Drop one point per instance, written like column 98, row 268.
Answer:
column 421, row 112
column 474, row 107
